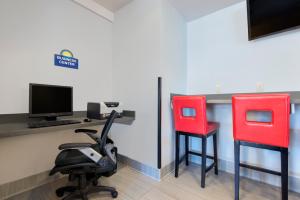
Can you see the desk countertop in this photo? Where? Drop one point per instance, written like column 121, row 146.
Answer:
column 17, row 128
column 226, row 98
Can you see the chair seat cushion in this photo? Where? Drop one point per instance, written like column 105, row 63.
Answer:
column 212, row 126
column 73, row 157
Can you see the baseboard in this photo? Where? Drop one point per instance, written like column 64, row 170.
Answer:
column 140, row 167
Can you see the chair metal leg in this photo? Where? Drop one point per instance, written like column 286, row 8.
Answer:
column 236, row 170
column 284, row 173
column 203, row 169
column 187, row 144
column 216, row 153
column 67, row 189
column 102, row 189
column 177, row 153
column 72, row 196
column 84, row 197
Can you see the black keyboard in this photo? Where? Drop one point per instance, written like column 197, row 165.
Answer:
column 41, row 124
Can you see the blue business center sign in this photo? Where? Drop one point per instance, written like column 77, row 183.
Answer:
column 66, row 59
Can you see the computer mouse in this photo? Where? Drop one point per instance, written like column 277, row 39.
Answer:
column 87, row 120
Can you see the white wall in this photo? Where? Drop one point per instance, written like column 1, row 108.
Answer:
column 148, row 42
column 33, row 31
column 136, row 60
column 148, row 39
column 219, row 53
column 173, row 71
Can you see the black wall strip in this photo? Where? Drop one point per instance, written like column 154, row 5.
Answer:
column 159, row 123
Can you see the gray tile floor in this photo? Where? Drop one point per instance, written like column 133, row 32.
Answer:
column 132, row 185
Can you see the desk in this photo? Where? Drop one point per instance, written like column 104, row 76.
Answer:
column 226, row 98
column 27, row 155
column 16, row 124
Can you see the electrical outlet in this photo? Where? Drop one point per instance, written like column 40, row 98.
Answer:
column 260, row 87
column 218, row 89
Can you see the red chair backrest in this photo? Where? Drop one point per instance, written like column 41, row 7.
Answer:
column 275, row 132
column 191, row 124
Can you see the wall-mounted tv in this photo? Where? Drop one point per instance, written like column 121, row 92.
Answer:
column 266, row 17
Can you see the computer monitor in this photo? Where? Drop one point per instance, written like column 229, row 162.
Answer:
column 50, row 101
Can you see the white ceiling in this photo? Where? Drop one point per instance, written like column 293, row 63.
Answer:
column 193, row 9
column 190, row 9
column 113, row 5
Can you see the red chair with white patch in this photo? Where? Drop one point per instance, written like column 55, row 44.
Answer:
column 190, row 120
column 271, row 135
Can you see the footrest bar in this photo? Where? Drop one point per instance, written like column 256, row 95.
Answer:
column 210, row 167
column 181, row 159
column 260, row 169
column 199, row 154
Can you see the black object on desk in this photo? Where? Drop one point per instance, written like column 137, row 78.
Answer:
column 41, row 124
column 87, row 120
column 93, row 110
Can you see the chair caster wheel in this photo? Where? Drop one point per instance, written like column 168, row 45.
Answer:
column 59, row 193
column 114, row 194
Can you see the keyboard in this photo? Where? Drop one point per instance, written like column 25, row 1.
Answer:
column 41, row 124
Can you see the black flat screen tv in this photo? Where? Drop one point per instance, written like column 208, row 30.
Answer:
column 50, row 101
column 266, row 17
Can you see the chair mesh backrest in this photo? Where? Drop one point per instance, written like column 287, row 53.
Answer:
column 275, row 132
column 196, row 121
column 106, row 128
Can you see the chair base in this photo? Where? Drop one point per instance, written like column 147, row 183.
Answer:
column 284, row 166
column 76, row 193
column 83, row 189
column 204, row 156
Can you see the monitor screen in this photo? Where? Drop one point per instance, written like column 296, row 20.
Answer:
column 266, row 17
column 49, row 100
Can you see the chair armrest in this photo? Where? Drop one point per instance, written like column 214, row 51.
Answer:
column 74, row 146
column 87, row 131
column 91, row 133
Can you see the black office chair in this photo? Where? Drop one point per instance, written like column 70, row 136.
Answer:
column 86, row 163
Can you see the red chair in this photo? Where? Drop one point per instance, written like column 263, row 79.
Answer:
column 271, row 135
column 195, row 125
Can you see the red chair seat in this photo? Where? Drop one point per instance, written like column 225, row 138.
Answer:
column 211, row 127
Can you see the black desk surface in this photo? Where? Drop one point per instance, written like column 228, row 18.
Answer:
column 17, row 127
